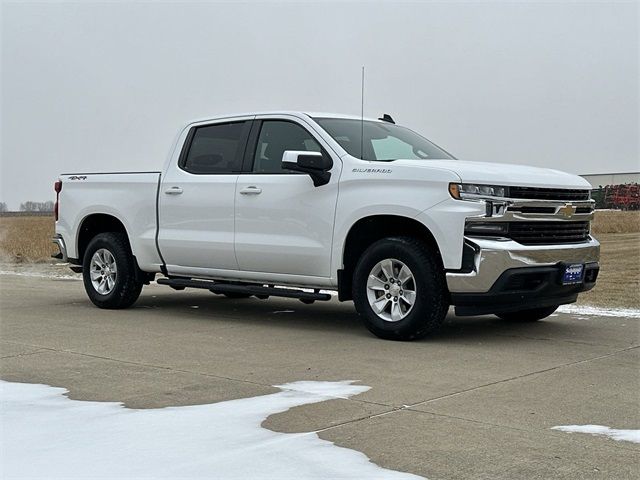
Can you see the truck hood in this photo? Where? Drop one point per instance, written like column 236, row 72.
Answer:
column 503, row 173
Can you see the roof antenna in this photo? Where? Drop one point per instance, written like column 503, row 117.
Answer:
column 362, row 116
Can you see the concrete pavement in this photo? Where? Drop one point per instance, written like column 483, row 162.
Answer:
column 476, row 400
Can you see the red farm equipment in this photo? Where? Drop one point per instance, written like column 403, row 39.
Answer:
column 622, row 197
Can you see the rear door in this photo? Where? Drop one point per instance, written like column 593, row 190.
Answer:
column 283, row 223
column 197, row 196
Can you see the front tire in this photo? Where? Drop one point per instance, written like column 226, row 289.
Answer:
column 399, row 289
column 109, row 272
column 531, row 315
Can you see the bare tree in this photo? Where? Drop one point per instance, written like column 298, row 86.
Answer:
column 3, row 207
column 37, row 206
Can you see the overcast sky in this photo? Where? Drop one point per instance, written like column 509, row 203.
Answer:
column 106, row 86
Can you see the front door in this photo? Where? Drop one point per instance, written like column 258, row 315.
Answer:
column 196, row 200
column 283, row 223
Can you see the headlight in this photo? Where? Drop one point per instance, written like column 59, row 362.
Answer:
column 471, row 191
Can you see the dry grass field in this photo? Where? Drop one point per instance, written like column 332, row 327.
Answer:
column 616, row 221
column 619, row 279
column 27, row 240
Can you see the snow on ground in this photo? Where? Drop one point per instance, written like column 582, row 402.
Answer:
column 614, row 433
column 39, row 270
column 599, row 311
column 46, row 435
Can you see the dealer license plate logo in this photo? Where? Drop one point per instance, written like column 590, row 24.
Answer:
column 573, row 274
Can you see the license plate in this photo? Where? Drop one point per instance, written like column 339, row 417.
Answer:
column 572, row 274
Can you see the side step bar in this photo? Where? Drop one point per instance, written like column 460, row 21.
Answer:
column 181, row 283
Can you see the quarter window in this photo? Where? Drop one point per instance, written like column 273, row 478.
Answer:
column 277, row 136
column 217, row 148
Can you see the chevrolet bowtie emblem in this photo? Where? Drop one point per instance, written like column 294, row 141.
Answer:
column 567, row 210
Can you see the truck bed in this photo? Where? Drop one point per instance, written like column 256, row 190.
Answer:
column 131, row 197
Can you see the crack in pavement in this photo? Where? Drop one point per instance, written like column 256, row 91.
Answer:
column 539, row 372
column 517, row 377
column 561, row 340
column 40, row 350
column 507, row 427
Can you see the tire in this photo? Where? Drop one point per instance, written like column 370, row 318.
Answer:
column 406, row 321
column 531, row 315
column 124, row 288
column 234, row 295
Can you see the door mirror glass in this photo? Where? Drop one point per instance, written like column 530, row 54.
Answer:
column 315, row 164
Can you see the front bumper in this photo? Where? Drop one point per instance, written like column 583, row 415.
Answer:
column 505, row 275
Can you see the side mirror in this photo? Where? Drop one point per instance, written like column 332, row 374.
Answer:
column 315, row 164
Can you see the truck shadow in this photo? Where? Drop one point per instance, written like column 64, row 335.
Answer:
column 334, row 316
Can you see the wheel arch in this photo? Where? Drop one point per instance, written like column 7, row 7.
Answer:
column 368, row 230
column 94, row 224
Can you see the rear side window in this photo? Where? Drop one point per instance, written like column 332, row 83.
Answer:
column 216, row 148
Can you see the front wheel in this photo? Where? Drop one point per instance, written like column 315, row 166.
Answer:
column 399, row 289
column 109, row 272
column 531, row 315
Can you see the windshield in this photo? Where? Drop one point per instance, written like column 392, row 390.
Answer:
column 383, row 142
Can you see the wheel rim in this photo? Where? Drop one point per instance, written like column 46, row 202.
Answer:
column 103, row 271
column 391, row 290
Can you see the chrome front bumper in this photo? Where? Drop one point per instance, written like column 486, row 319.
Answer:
column 493, row 257
column 59, row 241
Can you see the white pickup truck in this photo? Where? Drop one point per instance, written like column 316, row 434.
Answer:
column 293, row 204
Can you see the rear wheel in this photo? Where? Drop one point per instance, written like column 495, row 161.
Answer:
column 399, row 289
column 531, row 315
column 109, row 272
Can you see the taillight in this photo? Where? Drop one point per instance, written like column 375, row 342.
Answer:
column 58, row 188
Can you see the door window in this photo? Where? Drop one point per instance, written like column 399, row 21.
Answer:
column 217, row 148
column 275, row 137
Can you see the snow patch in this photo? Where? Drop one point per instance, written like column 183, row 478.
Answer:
column 46, row 435
column 328, row 390
column 602, row 312
column 614, row 433
column 44, row 270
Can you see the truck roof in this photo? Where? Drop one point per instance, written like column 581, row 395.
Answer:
column 285, row 112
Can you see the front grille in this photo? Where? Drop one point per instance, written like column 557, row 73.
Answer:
column 532, row 193
column 549, row 233
column 547, row 210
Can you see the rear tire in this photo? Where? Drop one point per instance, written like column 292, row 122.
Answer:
column 403, row 279
column 109, row 272
column 531, row 315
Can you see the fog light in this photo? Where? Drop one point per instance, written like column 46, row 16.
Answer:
column 492, row 229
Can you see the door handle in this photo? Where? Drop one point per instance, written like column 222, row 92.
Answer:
column 251, row 190
column 173, row 191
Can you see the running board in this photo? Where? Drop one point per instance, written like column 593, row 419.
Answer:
column 181, row 283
